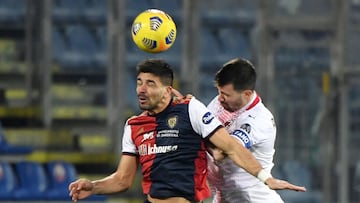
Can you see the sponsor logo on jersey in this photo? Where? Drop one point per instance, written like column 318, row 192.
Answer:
column 243, row 136
column 168, row 133
column 207, row 117
column 147, row 136
column 172, row 122
column 154, row 149
column 246, row 127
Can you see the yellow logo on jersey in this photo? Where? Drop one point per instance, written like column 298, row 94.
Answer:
column 172, row 122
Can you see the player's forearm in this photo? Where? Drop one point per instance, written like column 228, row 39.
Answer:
column 109, row 185
column 243, row 157
column 239, row 154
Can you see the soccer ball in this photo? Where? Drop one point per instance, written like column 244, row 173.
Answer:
column 153, row 31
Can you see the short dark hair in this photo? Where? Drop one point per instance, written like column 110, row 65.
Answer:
column 239, row 72
column 159, row 68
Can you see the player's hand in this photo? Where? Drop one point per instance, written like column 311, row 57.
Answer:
column 217, row 154
column 178, row 97
column 80, row 189
column 277, row 184
column 176, row 93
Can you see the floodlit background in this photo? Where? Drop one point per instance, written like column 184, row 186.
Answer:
column 67, row 85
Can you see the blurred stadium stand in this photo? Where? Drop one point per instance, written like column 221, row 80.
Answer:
column 210, row 49
column 82, row 48
column 32, row 181
column 134, row 8
column 95, row 12
column 91, row 12
column 356, row 181
column 8, row 182
column 59, row 45
column 12, row 12
column 7, row 148
column 60, row 174
column 234, row 43
column 101, row 55
column 230, row 13
column 300, row 37
column 67, row 11
column 297, row 172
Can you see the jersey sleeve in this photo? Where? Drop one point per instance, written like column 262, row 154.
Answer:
column 128, row 145
column 244, row 130
column 202, row 120
column 243, row 137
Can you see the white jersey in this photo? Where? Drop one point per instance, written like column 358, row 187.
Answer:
column 255, row 128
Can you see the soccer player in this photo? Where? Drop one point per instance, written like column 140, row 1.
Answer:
column 241, row 111
column 168, row 141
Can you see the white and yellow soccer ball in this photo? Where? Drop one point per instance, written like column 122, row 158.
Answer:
column 153, row 31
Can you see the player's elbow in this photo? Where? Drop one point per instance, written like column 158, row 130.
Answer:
column 218, row 154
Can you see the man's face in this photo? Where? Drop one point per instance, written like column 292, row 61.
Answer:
column 150, row 92
column 231, row 99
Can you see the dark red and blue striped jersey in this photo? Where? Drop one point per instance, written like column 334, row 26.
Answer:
column 171, row 149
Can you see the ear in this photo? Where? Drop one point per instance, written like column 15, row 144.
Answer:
column 248, row 93
column 168, row 90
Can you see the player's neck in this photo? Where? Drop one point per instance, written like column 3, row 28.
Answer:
column 247, row 101
column 160, row 107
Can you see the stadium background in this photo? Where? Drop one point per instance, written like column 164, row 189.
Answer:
column 67, row 81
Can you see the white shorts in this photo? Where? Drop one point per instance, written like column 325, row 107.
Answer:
column 259, row 193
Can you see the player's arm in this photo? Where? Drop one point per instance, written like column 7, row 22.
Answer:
column 119, row 181
column 243, row 158
column 216, row 153
column 235, row 151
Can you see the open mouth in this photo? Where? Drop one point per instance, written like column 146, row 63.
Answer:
column 142, row 99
